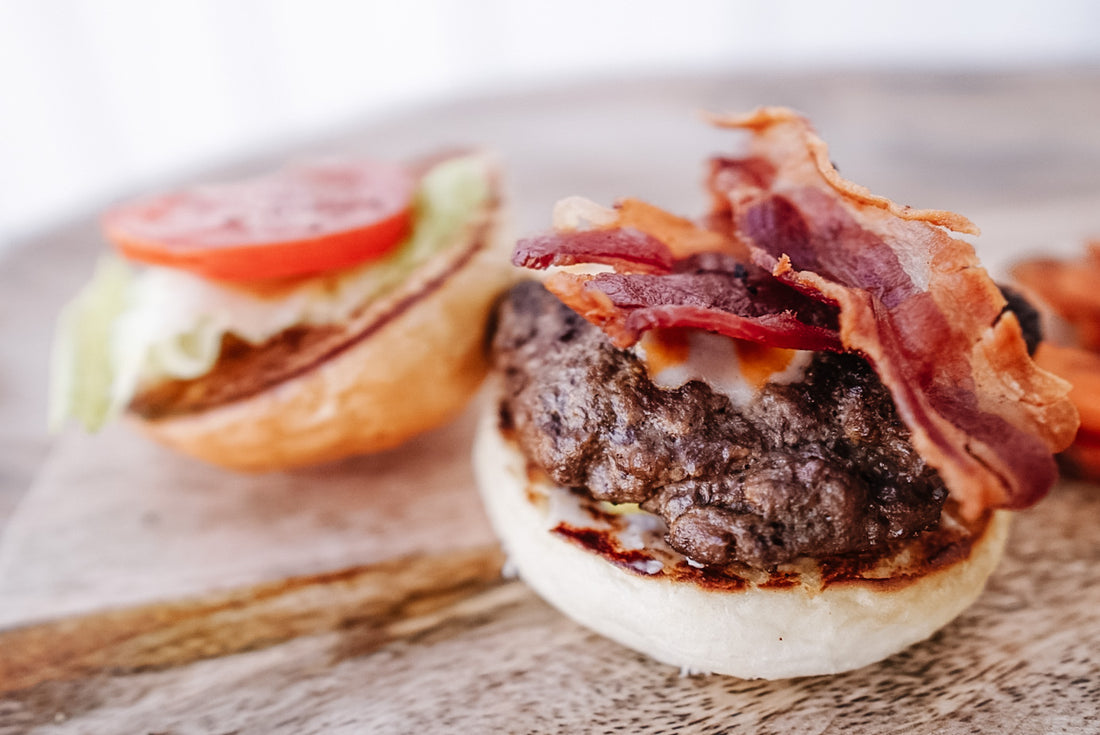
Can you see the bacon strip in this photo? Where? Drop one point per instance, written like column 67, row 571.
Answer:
column 711, row 290
column 624, row 248
column 913, row 300
column 737, row 304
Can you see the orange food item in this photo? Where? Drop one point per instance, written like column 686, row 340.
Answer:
column 665, row 348
column 759, row 362
column 300, row 221
column 1069, row 287
column 1082, row 369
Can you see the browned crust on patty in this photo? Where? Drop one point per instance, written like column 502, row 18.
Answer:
column 898, row 565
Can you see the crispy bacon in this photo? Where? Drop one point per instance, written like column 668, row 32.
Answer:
column 624, row 248
column 742, row 302
column 825, row 264
column 913, row 300
column 706, row 290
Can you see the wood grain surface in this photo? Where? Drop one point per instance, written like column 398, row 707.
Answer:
column 143, row 592
column 439, row 644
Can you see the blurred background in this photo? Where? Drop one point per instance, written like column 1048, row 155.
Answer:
column 104, row 97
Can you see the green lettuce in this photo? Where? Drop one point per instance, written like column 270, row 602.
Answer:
column 82, row 372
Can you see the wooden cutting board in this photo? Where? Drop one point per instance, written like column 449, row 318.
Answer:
column 143, row 592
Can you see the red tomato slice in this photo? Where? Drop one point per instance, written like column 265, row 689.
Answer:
column 299, row 221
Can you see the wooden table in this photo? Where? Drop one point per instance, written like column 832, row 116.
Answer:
column 366, row 595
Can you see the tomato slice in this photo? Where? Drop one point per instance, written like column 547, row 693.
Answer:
column 299, row 221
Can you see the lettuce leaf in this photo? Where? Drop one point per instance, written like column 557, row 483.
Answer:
column 123, row 331
column 81, row 370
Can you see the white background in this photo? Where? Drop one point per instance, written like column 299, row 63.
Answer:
column 99, row 97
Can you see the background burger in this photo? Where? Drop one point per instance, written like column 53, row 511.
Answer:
column 329, row 309
column 783, row 444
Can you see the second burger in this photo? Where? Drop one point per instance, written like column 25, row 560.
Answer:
column 329, row 309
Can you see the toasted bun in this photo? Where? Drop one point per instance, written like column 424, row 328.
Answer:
column 664, row 606
column 415, row 360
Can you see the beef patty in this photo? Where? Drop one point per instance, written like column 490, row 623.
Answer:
column 818, row 468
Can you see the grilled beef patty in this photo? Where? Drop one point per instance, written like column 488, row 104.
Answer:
column 817, row 468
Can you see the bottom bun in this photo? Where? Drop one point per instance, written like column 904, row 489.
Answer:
column 612, row 572
column 414, row 361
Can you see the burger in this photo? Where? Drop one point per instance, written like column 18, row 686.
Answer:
column 331, row 308
column 784, row 441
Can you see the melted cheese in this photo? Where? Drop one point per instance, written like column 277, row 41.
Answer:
column 735, row 368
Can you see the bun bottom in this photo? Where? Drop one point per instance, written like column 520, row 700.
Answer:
column 747, row 630
column 420, row 363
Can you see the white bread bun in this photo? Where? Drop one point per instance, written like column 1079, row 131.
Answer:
column 754, row 631
column 415, row 359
